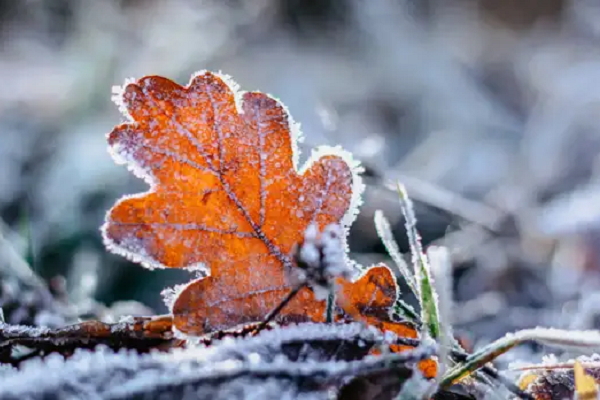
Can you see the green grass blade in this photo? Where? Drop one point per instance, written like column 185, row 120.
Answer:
column 546, row 336
column 384, row 231
column 426, row 292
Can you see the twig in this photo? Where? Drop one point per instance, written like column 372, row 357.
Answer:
column 200, row 373
column 139, row 333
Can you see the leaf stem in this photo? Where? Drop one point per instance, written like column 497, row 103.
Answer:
column 274, row 312
column 329, row 309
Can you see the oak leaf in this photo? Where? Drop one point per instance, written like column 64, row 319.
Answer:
column 369, row 298
column 227, row 198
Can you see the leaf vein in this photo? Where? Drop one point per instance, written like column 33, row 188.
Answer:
column 190, row 227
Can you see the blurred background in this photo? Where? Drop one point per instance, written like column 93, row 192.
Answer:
column 487, row 110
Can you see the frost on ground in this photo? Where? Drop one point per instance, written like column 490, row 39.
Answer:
column 302, row 361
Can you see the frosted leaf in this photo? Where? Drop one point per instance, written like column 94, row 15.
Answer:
column 358, row 187
column 225, row 193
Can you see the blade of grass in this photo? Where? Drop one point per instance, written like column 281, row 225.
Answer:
column 426, row 292
column 406, row 311
column 384, row 231
column 441, row 266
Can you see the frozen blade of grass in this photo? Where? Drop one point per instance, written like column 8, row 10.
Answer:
column 384, row 231
column 13, row 263
column 405, row 311
column 441, row 266
column 582, row 340
column 426, row 292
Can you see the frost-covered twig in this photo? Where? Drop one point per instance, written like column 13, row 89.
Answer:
column 274, row 364
column 139, row 333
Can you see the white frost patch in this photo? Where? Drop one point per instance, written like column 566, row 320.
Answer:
column 313, row 331
column 321, row 258
column 334, row 255
column 199, row 270
column 127, row 320
column 132, row 248
column 9, row 331
column 124, row 156
column 233, row 86
column 310, row 255
column 104, row 374
column 171, row 294
column 117, row 97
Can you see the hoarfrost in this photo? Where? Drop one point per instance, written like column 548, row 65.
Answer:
column 117, row 97
column 170, row 294
column 321, row 258
column 274, row 364
column 131, row 247
column 358, row 187
column 8, row 331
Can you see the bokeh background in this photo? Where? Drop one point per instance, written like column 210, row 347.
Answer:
column 487, row 110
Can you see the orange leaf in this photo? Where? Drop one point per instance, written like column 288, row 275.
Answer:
column 225, row 193
column 369, row 298
column 227, row 197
